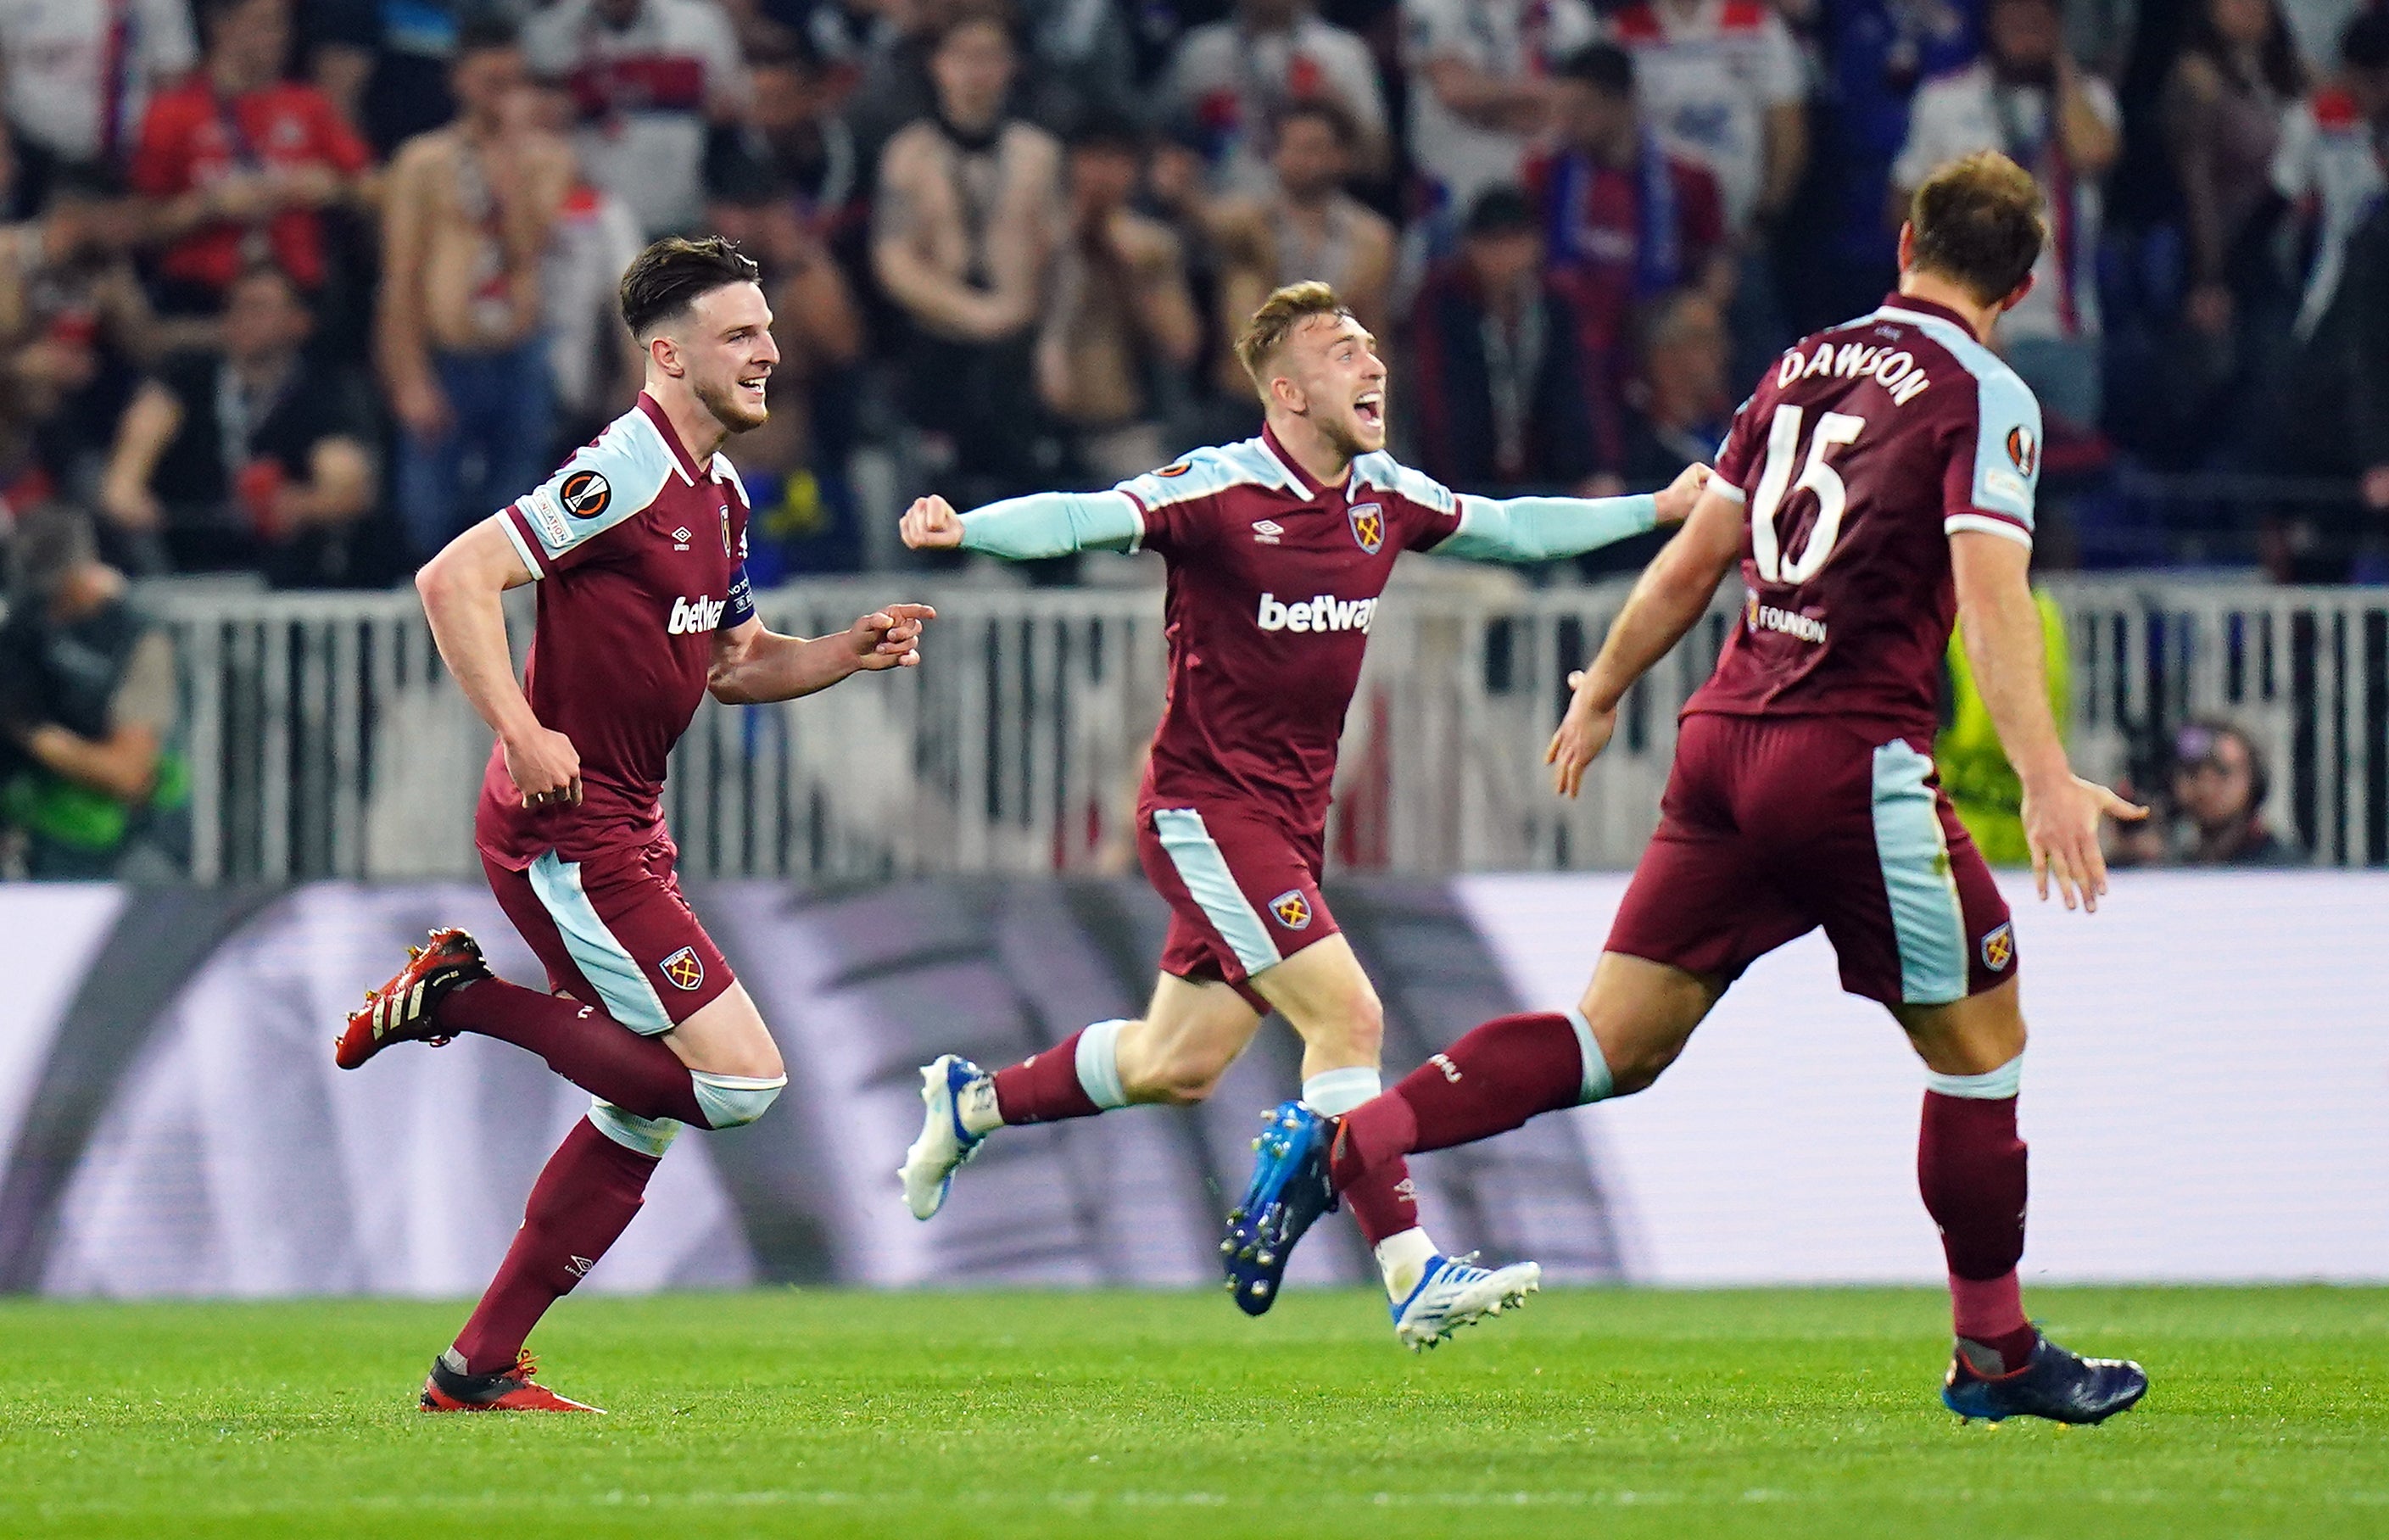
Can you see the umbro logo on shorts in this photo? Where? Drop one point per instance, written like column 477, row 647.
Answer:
column 684, row 969
column 1293, row 910
column 1999, row 946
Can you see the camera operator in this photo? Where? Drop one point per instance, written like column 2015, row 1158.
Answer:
column 89, row 704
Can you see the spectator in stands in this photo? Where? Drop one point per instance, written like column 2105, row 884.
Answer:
column 2216, row 812
column 1628, row 223
column 1685, row 398
column 648, row 76
column 240, row 164
column 1120, row 328
column 75, row 331
column 1723, row 83
column 791, row 151
column 1237, row 76
column 2026, row 97
column 385, row 66
column 2328, row 165
column 468, row 217
column 77, row 74
column 93, row 784
column 1308, row 227
column 2224, row 101
column 1481, row 90
column 2317, row 25
column 595, row 364
column 259, row 460
column 962, row 241
column 1501, row 380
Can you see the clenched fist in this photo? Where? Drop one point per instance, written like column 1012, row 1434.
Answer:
column 931, row 524
column 1676, row 500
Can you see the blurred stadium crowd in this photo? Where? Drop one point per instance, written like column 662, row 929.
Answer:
column 298, row 290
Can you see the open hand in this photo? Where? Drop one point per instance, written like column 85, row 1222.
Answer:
column 931, row 524
column 1582, row 735
column 2061, row 827
column 889, row 638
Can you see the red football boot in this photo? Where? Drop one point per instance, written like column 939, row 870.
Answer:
column 451, row 1390
column 404, row 1009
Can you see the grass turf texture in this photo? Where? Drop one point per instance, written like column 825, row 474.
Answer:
column 1621, row 1413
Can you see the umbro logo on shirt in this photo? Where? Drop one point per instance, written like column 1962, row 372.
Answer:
column 680, row 538
column 1267, row 531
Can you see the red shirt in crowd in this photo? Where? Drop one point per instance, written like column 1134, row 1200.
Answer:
column 192, row 138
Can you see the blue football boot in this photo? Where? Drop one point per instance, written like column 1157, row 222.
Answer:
column 1291, row 1188
column 953, row 1091
column 2054, row 1384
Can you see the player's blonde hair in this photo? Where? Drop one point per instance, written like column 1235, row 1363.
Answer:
column 1277, row 319
column 1979, row 222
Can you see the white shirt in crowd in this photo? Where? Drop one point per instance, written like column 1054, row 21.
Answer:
column 2328, row 154
column 1509, row 40
column 594, row 240
column 1965, row 111
column 2316, row 26
column 1234, row 82
column 1707, row 73
column 75, row 69
column 654, row 80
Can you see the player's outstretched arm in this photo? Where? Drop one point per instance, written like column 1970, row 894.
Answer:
column 752, row 666
column 1544, row 528
column 1027, row 528
column 2004, row 644
column 460, row 588
column 1672, row 593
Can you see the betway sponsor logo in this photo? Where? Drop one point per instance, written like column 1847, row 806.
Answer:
column 1767, row 618
column 695, row 617
column 1326, row 613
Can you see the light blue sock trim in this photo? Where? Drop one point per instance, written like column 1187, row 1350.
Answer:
column 1995, row 1085
column 1098, row 1064
column 1597, row 1082
column 1332, row 1093
column 648, row 1136
column 733, row 1101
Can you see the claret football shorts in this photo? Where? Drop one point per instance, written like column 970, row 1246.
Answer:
column 1243, row 894
column 613, row 931
column 1773, row 826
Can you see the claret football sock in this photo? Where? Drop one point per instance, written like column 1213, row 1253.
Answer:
column 1490, row 1081
column 583, row 1200
column 581, row 1043
column 1971, row 1168
column 1382, row 1200
column 1077, row 1077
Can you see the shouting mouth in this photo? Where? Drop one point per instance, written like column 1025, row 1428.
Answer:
column 1370, row 407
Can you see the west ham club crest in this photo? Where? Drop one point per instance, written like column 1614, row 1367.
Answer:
column 1369, row 527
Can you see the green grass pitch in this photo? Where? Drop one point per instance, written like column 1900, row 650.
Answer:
column 1596, row 1412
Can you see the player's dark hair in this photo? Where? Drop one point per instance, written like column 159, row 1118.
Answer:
column 1604, row 66
column 1979, row 222
column 486, row 33
column 674, row 273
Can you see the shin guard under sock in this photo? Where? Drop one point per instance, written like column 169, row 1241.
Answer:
column 581, row 1043
column 583, row 1200
column 1971, row 1168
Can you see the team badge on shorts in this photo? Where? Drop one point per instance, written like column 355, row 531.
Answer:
column 1999, row 946
column 1369, row 525
column 684, row 969
column 1293, row 910
column 584, row 494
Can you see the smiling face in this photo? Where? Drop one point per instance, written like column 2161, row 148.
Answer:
column 724, row 350
column 1328, row 372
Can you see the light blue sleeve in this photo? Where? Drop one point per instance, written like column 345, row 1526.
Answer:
column 2005, row 478
column 1054, row 524
column 1539, row 528
column 605, row 484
